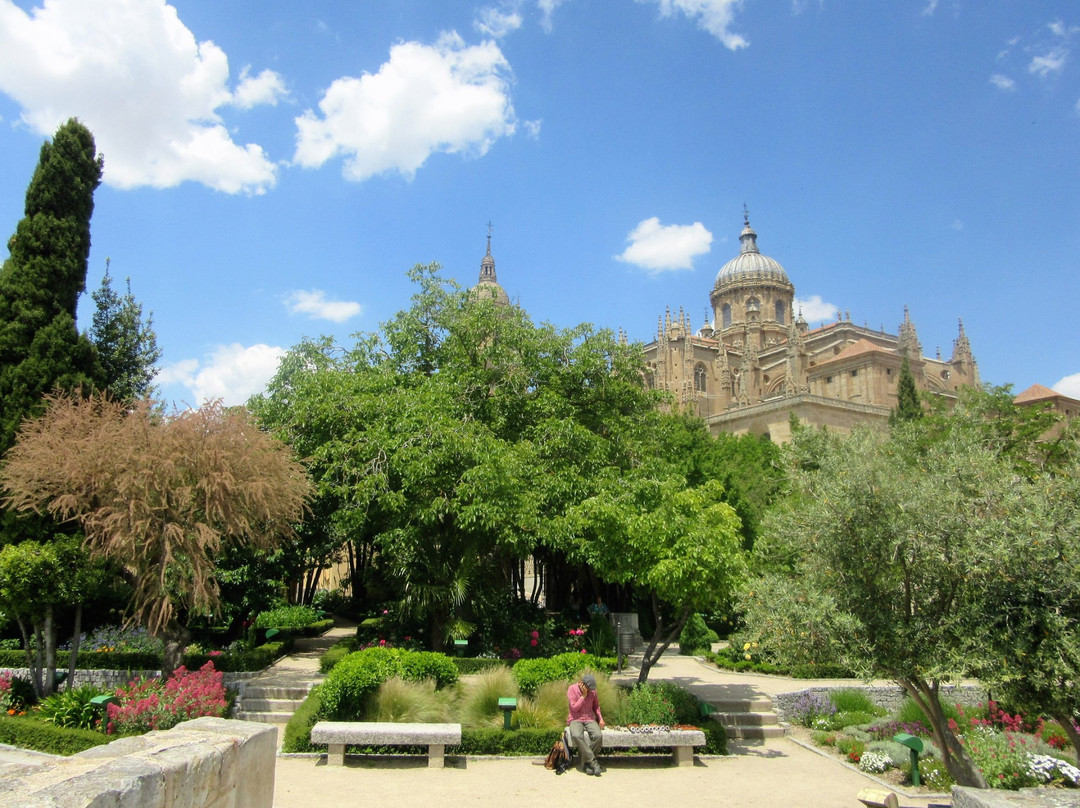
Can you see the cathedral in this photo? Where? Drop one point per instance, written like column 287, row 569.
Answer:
column 758, row 363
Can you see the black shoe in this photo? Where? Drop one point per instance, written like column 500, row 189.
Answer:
column 594, row 770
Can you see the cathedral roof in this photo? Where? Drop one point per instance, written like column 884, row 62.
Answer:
column 860, row 348
column 1037, row 392
column 750, row 264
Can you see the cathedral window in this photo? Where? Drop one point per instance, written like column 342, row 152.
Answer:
column 725, row 315
column 699, row 378
column 780, row 312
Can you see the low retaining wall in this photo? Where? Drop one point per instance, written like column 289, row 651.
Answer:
column 204, row 763
column 1024, row 798
column 888, row 697
column 112, row 679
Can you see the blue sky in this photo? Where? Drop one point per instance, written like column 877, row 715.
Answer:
column 272, row 169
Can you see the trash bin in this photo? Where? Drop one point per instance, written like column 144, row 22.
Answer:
column 626, row 642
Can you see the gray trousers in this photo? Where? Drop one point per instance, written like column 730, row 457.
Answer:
column 587, row 739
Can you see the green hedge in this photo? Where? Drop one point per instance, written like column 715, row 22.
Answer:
column 531, row 674
column 335, row 653
column 297, row 734
column 466, row 665
column 253, row 660
column 31, row 733
column 350, row 682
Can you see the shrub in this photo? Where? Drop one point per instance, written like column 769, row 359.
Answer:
column 874, row 762
column 845, row 719
column 820, row 670
column 649, row 704
column 898, row 754
column 1002, row 756
column 600, row 636
column 885, row 730
column 72, row 709
column 694, row 638
column 479, row 702
column 548, row 708
column 30, row 733
column 850, row 700
column 850, row 747
column 146, row 704
column 352, row 681
column 910, row 712
column 297, row 734
column 287, row 617
column 337, row 652
column 932, row 774
column 823, row 737
column 492, row 741
column 809, row 706
column 130, row 639
column 467, row 665
column 399, row 701
column 419, row 665
column 531, row 673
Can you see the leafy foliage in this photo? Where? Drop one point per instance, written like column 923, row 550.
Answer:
column 73, row 709
column 125, row 341
column 294, row 617
column 696, row 637
column 532, row 673
column 349, row 685
column 30, row 733
column 161, row 496
column 146, row 705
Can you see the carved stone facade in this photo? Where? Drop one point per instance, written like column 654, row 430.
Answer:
column 758, row 362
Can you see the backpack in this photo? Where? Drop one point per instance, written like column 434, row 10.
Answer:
column 557, row 759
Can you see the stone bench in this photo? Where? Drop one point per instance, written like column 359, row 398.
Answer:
column 681, row 741
column 337, row 734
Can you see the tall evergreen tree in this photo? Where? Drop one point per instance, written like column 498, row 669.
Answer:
column 908, row 407
column 125, row 340
column 42, row 278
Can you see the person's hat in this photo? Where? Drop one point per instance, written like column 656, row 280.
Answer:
column 589, row 681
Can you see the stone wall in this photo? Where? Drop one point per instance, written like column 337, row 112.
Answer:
column 889, row 697
column 204, row 763
column 112, row 679
column 1024, row 798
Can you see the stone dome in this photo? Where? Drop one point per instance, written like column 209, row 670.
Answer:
column 750, row 264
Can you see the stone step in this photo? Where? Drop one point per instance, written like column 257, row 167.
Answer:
column 756, row 719
column 759, row 704
column 291, row 692
column 748, row 733
column 251, row 705
column 263, row 717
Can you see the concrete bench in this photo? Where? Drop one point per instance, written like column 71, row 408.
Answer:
column 681, row 741
column 337, row 734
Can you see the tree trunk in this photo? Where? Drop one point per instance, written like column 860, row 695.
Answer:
column 75, row 642
column 659, row 638
column 176, row 638
column 48, row 684
column 34, row 668
column 1067, row 723
column 957, row 761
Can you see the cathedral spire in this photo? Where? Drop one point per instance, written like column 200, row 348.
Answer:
column 907, row 341
column 961, row 351
column 487, row 265
column 748, row 238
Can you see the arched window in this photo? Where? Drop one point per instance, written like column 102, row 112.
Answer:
column 753, row 304
column 780, row 311
column 699, row 378
column 725, row 315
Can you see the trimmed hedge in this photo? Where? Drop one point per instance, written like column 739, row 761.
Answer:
column 254, row 660
column 297, row 734
column 32, row 733
column 531, row 674
column 350, row 682
column 467, row 665
column 335, row 653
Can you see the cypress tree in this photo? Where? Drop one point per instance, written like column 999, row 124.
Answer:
column 908, row 407
column 41, row 280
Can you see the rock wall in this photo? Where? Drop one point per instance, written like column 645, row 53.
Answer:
column 888, row 697
column 112, row 679
column 204, row 763
column 1024, row 798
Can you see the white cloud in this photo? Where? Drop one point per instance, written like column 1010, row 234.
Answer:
column 265, row 88
column 547, row 8
column 497, row 22
column 814, row 309
column 655, row 247
column 532, row 128
column 232, row 373
column 1052, row 62
column 1002, row 82
column 1069, row 386
column 930, row 8
column 135, row 75
column 314, row 304
column 714, row 16
column 445, row 98
column 957, row 225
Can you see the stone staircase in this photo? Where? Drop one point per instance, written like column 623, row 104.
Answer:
column 274, row 698
column 747, row 719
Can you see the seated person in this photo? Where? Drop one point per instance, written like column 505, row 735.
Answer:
column 586, row 722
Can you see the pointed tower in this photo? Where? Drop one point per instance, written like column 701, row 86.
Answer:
column 964, row 368
column 907, row 341
column 487, row 288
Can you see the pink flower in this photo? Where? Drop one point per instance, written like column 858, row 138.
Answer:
column 536, row 635
column 532, row 642
column 382, row 642
column 583, row 650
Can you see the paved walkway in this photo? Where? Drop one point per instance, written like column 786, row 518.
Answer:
column 777, row 772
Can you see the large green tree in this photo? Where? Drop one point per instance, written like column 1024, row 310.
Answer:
column 42, row 278
column 125, row 341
